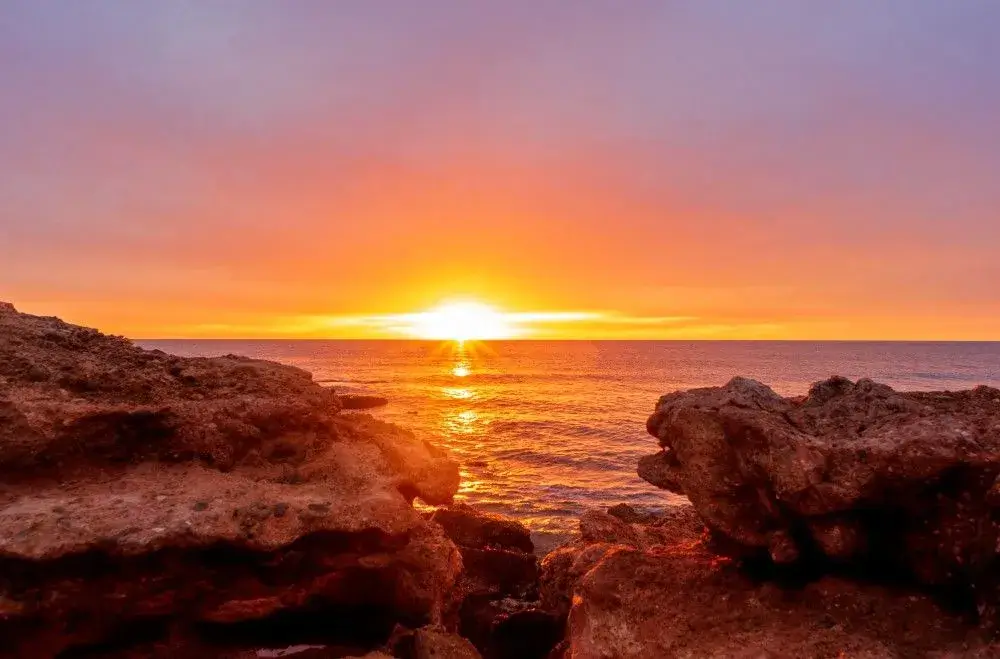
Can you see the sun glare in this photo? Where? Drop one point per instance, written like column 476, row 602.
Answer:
column 462, row 321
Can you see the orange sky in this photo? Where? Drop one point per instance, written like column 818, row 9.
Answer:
column 708, row 171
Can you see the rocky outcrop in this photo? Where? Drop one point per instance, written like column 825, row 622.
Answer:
column 662, row 591
column 220, row 500
column 500, row 610
column 853, row 473
column 361, row 401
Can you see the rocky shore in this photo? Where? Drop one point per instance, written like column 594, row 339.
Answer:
column 155, row 506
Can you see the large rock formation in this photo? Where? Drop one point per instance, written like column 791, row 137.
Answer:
column 853, row 473
column 224, row 500
column 660, row 590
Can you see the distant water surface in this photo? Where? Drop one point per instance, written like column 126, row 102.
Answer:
column 547, row 429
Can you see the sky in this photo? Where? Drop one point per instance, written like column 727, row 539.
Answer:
column 645, row 169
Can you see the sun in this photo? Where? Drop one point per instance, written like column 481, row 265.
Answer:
column 462, row 321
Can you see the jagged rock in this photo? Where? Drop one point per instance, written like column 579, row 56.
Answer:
column 602, row 534
column 221, row 497
column 361, row 401
column 500, row 612
column 469, row 527
column 854, row 472
column 630, row 515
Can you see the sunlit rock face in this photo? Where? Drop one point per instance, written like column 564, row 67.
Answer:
column 220, row 498
column 854, row 473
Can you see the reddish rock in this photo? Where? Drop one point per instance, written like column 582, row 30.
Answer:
column 630, row 515
column 687, row 603
column 673, row 596
column 431, row 642
column 361, row 401
column 499, row 612
column 469, row 527
column 219, row 498
column 853, row 473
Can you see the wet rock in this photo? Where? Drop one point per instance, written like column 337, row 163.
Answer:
column 469, row 527
column 146, row 495
column 630, row 515
column 853, row 473
column 361, row 401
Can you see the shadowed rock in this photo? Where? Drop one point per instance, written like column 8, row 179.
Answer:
column 499, row 611
column 214, row 498
column 661, row 591
column 361, row 401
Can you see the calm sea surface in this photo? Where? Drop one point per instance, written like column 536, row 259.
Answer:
column 546, row 429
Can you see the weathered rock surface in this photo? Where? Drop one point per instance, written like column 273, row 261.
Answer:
column 361, row 401
column 432, row 643
column 638, row 593
column 852, row 473
column 224, row 499
column 500, row 610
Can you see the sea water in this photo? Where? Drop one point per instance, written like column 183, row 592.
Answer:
column 546, row 429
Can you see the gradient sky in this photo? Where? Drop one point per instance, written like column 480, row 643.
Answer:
column 695, row 169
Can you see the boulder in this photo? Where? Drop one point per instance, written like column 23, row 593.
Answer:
column 672, row 596
column 469, row 527
column 854, row 473
column 627, row 513
column 361, row 401
column 601, row 534
column 224, row 500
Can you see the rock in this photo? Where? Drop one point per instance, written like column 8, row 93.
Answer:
column 436, row 644
column 679, row 598
column 598, row 526
column 853, row 473
column 431, row 642
column 469, row 527
column 500, row 612
column 143, row 494
column 630, row 515
column 361, row 401
column 663, row 605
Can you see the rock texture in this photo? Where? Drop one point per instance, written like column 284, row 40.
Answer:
column 361, row 401
column 853, row 473
column 225, row 499
column 661, row 591
column 500, row 610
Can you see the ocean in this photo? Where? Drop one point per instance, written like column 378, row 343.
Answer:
column 547, row 429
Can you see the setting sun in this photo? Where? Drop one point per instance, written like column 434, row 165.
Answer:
column 461, row 321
